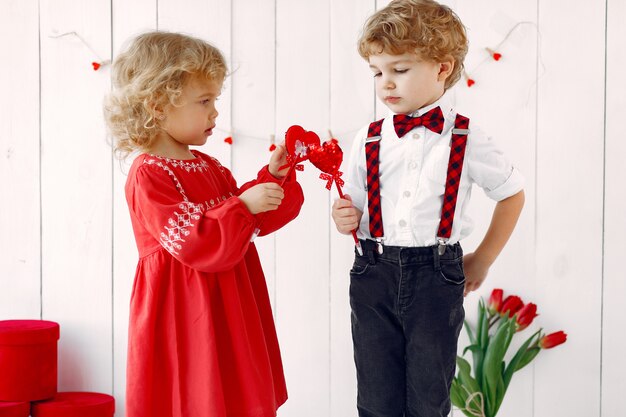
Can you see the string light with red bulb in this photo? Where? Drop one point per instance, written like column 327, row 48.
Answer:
column 95, row 65
column 493, row 54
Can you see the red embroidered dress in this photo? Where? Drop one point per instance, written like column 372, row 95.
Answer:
column 202, row 341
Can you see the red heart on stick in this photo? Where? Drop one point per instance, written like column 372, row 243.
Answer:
column 293, row 134
column 327, row 157
column 298, row 141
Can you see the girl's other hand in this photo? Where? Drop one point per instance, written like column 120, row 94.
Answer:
column 277, row 160
column 262, row 197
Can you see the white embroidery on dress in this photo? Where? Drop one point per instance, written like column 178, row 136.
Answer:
column 180, row 224
column 212, row 202
column 167, row 169
column 219, row 165
column 188, row 166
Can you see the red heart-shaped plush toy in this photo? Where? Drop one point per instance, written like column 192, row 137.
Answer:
column 298, row 141
column 327, row 157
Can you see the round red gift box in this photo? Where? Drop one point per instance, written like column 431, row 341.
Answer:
column 13, row 409
column 75, row 404
column 28, row 360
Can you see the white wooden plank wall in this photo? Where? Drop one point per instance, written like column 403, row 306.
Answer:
column 302, row 284
column 612, row 360
column 554, row 103
column 569, row 212
column 20, row 259
column 76, row 191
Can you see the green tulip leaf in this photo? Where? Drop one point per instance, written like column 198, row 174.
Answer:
column 492, row 365
column 469, row 331
column 500, row 391
column 457, row 394
column 510, row 334
column 479, row 323
column 483, row 334
column 464, row 386
column 464, row 375
column 477, row 357
column 522, row 355
column 463, row 365
column 472, row 348
column 529, row 355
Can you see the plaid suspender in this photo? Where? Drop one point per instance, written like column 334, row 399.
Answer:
column 453, row 179
column 372, row 151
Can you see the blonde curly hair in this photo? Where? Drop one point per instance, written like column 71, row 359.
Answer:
column 425, row 27
column 150, row 74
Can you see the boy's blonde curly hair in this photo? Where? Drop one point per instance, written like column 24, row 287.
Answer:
column 425, row 27
column 150, row 74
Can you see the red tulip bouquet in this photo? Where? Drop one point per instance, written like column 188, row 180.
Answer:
column 481, row 394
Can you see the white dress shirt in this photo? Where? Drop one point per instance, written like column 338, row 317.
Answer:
column 413, row 172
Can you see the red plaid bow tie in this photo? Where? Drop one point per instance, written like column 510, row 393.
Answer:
column 432, row 120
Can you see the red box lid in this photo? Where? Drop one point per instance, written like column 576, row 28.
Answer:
column 28, row 332
column 75, row 404
column 13, row 409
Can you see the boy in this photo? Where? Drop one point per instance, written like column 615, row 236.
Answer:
column 408, row 185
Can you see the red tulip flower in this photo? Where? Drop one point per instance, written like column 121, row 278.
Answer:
column 525, row 316
column 552, row 340
column 511, row 305
column 495, row 301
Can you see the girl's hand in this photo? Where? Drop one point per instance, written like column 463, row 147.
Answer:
column 475, row 272
column 346, row 216
column 262, row 197
column 277, row 160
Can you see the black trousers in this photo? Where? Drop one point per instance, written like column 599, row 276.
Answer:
column 407, row 312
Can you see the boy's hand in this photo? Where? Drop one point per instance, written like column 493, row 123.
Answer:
column 346, row 216
column 277, row 160
column 262, row 197
column 475, row 272
column 503, row 222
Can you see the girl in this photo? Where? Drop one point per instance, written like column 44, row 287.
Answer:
column 202, row 341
